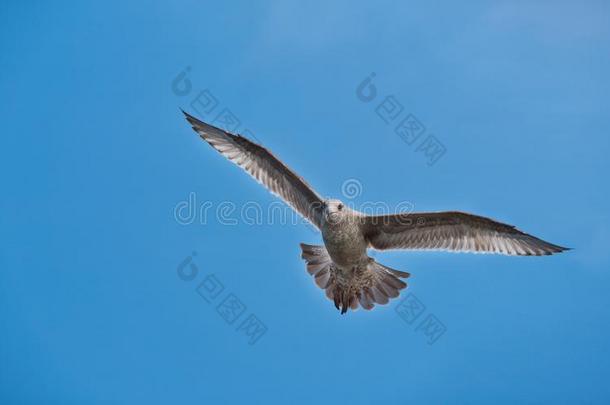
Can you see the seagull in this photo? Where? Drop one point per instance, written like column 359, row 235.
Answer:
column 342, row 267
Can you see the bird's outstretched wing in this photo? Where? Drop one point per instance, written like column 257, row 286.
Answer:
column 264, row 167
column 454, row 231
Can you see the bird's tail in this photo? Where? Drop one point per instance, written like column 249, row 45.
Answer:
column 376, row 285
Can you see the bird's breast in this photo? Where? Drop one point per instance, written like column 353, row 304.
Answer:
column 345, row 243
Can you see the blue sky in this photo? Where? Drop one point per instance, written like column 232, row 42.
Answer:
column 96, row 157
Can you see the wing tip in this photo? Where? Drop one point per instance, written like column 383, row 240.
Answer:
column 560, row 249
column 549, row 250
column 203, row 128
column 192, row 120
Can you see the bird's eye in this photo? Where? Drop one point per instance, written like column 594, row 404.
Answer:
column 340, row 207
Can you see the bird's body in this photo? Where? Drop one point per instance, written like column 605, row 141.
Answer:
column 352, row 270
column 342, row 266
column 342, row 235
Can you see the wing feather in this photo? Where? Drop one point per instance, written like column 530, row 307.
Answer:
column 268, row 170
column 454, row 231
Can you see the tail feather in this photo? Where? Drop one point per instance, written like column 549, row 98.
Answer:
column 366, row 299
column 323, row 278
column 376, row 284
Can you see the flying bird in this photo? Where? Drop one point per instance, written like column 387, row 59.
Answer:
column 342, row 266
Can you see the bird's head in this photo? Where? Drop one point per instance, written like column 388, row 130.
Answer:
column 335, row 211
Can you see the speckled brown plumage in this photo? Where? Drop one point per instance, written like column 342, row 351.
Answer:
column 342, row 266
